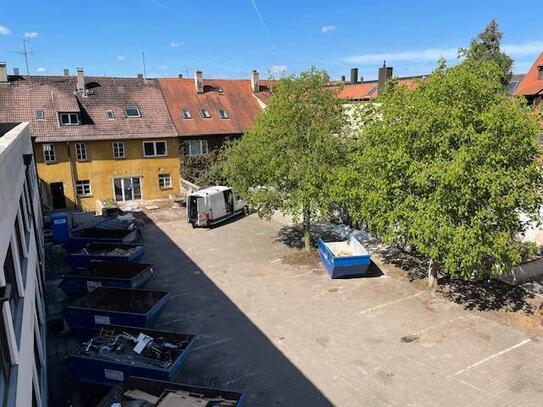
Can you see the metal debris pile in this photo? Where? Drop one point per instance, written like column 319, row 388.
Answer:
column 126, row 348
column 172, row 398
column 111, row 252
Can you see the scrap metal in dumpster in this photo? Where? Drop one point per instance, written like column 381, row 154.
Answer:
column 344, row 259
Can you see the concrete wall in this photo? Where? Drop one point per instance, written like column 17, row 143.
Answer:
column 100, row 168
column 23, row 327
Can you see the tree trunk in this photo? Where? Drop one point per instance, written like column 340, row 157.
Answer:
column 307, row 226
column 432, row 275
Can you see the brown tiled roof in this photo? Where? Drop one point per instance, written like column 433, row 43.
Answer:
column 530, row 85
column 234, row 96
column 19, row 101
column 368, row 90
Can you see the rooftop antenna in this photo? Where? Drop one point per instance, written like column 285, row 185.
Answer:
column 144, row 71
column 26, row 54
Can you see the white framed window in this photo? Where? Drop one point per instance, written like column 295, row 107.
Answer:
column 164, row 181
column 186, row 114
column 49, row 155
column 132, row 111
column 40, row 115
column 223, row 114
column 195, row 147
column 205, row 113
column 118, row 149
column 155, row 149
column 80, row 152
column 83, row 188
column 69, row 119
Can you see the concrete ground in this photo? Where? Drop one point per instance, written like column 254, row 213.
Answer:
column 289, row 336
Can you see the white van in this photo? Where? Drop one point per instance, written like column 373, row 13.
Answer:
column 212, row 205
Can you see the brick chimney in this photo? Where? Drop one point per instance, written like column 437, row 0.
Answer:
column 199, row 82
column 255, row 81
column 385, row 73
column 66, row 72
column 180, row 76
column 3, row 73
column 354, row 75
column 140, row 76
column 16, row 71
column 80, row 80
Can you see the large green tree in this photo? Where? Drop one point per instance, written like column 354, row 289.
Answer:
column 486, row 47
column 284, row 162
column 448, row 169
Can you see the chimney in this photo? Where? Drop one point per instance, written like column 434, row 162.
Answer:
column 140, row 76
column 66, row 72
column 199, row 82
column 255, row 83
column 342, row 78
column 354, row 75
column 3, row 73
column 80, row 80
column 16, row 72
column 180, row 76
column 385, row 73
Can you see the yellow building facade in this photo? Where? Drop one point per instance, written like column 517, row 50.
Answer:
column 82, row 181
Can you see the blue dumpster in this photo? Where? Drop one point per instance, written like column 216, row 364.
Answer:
column 81, row 238
column 114, row 306
column 106, row 274
column 344, row 259
column 59, row 227
column 110, row 357
column 160, row 389
column 107, row 252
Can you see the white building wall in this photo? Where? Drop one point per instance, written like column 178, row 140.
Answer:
column 24, row 327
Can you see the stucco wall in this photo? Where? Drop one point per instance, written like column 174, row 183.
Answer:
column 100, row 168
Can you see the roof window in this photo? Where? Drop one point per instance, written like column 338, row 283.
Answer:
column 186, row 114
column 40, row 115
column 110, row 115
column 223, row 114
column 205, row 113
column 132, row 111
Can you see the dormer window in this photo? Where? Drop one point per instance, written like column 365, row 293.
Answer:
column 186, row 114
column 132, row 111
column 205, row 113
column 69, row 119
column 110, row 115
column 540, row 73
column 223, row 114
column 40, row 115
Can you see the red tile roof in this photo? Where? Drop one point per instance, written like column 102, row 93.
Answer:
column 19, row 101
column 368, row 90
column 234, row 96
column 530, row 84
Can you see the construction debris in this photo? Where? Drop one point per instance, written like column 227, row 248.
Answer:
column 111, row 252
column 174, row 398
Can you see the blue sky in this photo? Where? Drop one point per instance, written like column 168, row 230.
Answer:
column 229, row 38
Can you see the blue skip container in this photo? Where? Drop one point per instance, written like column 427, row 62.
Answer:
column 344, row 259
column 106, row 274
column 81, row 238
column 114, row 306
column 109, row 370
column 160, row 389
column 106, row 252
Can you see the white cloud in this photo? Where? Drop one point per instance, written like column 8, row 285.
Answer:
column 525, row 49
column 30, row 35
column 278, row 69
column 121, row 58
column 328, row 29
column 176, row 44
column 41, row 69
column 4, row 30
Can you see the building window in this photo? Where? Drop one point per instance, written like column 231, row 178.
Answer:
column 40, row 115
column 154, row 149
column 195, row 147
column 186, row 114
column 83, row 188
column 132, row 111
column 110, row 115
column 540, row 72
column 5, row 361
column 205, row 113
column 118, row 149
column 164, row 181
column 49, row 153
column 80, row 152
column 223, row 114
column 10, row 274
column 69, row 119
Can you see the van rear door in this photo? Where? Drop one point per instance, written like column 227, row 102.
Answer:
column 196, row 209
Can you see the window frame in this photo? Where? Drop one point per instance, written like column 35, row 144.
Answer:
column 78, row 184
column 126, row 108
column 120, row 146
column 81, row 152
column 205, row 113
column 202, row 142
column 40, row 113
column 69, row 115
column 186, row 114
column 162, row 177
column 110, row 114
column 51, row 152
column 154, row 143
column 223, row 114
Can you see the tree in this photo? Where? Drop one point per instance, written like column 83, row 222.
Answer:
column 448, row 169
column 486, row 47
column 284, row 162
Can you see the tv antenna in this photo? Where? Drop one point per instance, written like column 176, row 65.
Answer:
column 144, row 71
column 26, row 53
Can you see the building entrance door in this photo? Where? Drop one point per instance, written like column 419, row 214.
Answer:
column 57, row 195
column 127, row 189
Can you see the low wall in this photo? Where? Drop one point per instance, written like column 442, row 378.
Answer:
column 525, row 272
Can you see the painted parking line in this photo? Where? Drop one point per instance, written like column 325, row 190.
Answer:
column 495, row 355
column 386, row 304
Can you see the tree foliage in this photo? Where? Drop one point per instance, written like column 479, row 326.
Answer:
column 448, row 168
column 284, row 162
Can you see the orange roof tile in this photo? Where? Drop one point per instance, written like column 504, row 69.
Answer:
column 530, row 84
column 368, row 90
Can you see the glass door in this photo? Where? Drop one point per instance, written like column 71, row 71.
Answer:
column 127, row 189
